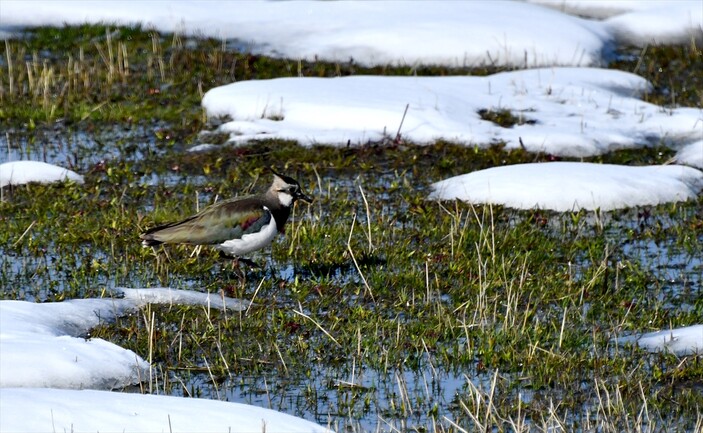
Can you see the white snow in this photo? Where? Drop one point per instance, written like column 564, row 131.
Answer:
column 680, row 341
column 378, row 32
column 168, row 296
column 43, row 345
column 691, row 154
column 394, row 32
column 21, row 172
column 47, row 364
column 59, row 410
column 568, row 111
column 674, row 22
column 570, row 186
column 639, row 22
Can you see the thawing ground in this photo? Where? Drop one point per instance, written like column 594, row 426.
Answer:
column 564, row 106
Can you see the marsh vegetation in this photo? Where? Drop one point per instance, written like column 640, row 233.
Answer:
column 379, row 308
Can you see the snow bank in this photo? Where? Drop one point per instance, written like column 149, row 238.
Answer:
column 47, row 410
column 570, row 186
column 43, row 345
column 396, row 32
column 562, row 111
column 42, row 349
column 673, row 22
column 691, row 154
column 21, row 172
column 371, row 33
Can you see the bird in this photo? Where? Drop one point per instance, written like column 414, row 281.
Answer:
column 235, row 227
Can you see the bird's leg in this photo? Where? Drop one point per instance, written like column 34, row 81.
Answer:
column 235, row 267
column 250, row 263
column 236, row 261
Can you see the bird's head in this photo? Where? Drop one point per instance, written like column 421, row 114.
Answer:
column 287, row 190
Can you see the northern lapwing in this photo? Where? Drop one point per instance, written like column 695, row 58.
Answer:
column 236, row 226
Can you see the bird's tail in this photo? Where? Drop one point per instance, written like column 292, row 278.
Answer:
column 178, row 233
column 149, row 237
column 146, row 242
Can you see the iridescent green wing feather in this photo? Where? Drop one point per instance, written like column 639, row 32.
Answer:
column 220, row 222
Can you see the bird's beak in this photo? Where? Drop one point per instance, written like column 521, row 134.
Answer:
column 303, row 197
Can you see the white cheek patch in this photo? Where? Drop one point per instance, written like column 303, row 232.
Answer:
column 285, row 199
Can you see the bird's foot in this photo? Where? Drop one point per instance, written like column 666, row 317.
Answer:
column 237, row 260
column 252, row 264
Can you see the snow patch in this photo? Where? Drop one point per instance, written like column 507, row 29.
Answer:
column 60, row 410
column 680, row 341
column 570, row 186
column 571, row 112
column 691, row 154
column 371, row 33
column 22, row 172
column 45, row 345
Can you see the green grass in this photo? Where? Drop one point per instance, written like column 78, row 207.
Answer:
column 376, row 302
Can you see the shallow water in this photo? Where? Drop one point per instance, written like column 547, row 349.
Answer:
column 349, row 397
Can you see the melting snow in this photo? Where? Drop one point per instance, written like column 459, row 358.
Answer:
column 691, row 154
column 43, row 349
column 680, row 341
column 44, row 345
column 395, row 32
column 379, row 32
column 21, row 172
column 570, row 186
column 563, row 111
column 61, row 410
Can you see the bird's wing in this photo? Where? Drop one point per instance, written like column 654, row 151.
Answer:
column 220, row 222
